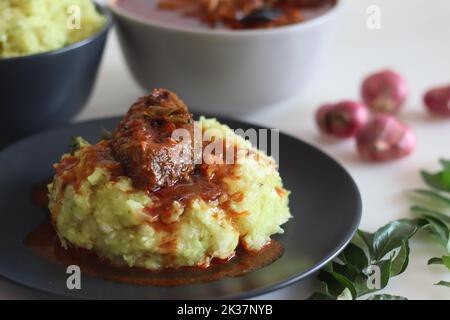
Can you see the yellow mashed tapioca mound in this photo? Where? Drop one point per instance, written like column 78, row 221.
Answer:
column 109, row 216
column 35, row 26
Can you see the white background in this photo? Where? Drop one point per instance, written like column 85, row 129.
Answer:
column 415, row 40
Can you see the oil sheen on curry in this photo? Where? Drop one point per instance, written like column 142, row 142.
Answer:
column 156, row 195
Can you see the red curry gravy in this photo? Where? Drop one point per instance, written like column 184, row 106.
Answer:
column 45, row 241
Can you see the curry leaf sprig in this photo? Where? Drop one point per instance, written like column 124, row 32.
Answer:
column 385, row 253
column 433, row 209
column 367, row 263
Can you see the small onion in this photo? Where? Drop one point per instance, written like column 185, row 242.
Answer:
column 385, row 91
column 342, row 119
column 385, row 138
column 438, row 101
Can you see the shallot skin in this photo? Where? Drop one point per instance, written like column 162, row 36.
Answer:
column 385, row 92
column 385, row 138
column 437, row 101
column 342, row 119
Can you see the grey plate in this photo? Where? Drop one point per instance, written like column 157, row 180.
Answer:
column 325, row 203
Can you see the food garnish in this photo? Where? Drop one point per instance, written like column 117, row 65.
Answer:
column 367, row 264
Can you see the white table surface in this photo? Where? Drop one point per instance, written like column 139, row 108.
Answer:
column 413, row 39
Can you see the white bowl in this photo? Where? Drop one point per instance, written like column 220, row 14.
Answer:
column 228, row 72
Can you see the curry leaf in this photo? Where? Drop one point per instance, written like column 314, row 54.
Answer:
column 435, row 260
column 354, row 256
column 391, row 236
column 446, row 261
column 439, row 181
column 433, row 196
column 323, row 293
column 336, row 282
column 74, row 145
column 345, row 295
column 401, row 261
column 356, row 274
column 445, row 164
column 367, row 238
column 437, row 229
column 385, row 267
column 443, row 283
column 420, row 211
column 371, row 259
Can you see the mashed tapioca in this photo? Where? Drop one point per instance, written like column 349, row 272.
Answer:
column 101, row 210
column 35, row 26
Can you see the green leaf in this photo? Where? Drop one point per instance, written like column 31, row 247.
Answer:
column 347, row 270
column 446, row 261
column 436, row 228
column 385, row 297
column 391, row 236
column 323, row 293
column 334, row 288
column 337, row 282
column 432, row 195
column 385, row 266
column 401, row 261
column 377, row 277
column 345, row 295
column 435, row 260
column 335, row 278
column 349, row 276
column 418, row 222
column 440, row 180
column 360, row 283
column 354, row 256
column 356, row 276
column 367, row 238
column 443, row 283
column 74, row 145
column 431, row 213
column 445, row 164
column 354, row 273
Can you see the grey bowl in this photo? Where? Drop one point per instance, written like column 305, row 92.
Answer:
column 42, row 90
column 226, row 72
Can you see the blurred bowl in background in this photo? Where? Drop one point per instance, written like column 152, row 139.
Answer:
column 228, row 72
column 42, row 90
